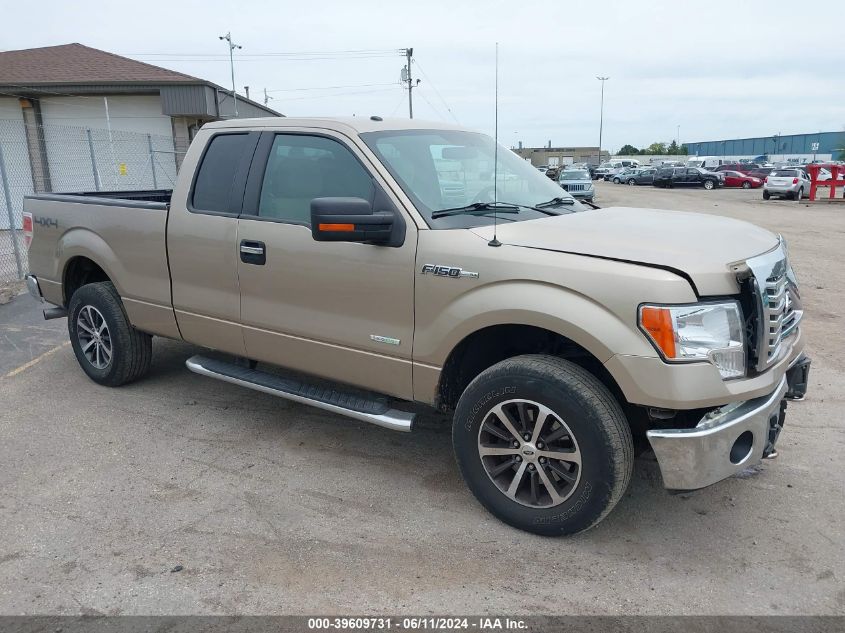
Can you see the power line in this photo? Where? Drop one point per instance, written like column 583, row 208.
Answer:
column 437, row 92
column 327, row 87
column 363, row 51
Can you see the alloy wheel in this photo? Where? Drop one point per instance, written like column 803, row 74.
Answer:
column 529, row 453
column 94, row 337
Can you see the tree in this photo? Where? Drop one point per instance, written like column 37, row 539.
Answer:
column 656, row 149
column 683, row 149
column 628, row 150
column 672, row 149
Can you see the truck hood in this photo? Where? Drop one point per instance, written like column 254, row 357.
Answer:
column 698, row 246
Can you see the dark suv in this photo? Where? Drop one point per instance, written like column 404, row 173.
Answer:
column 687, row 177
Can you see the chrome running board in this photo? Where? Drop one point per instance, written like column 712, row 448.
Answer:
column 370, row 409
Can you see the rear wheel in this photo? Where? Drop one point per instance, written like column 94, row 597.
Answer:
column 766, row 195
column 632, row 182
column 708, row 184
column 799, row 194
column 543, row 445
column 746, row 185
column 107, row 347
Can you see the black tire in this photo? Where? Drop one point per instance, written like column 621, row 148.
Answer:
column 799, row 194
column 131, row 349
column 632, row 182
column 597, row 424
column 766, row 195
column 709, row 185
column 746, row 184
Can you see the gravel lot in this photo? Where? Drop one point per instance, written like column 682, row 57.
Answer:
column 272, row 507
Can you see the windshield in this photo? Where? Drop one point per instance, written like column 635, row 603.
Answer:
column 574, row 175
column 451, row 169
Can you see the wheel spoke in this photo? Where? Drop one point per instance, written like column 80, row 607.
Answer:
column 107, row 352
column 499, row 412
column 562, row 472
column 498, row 469
column 88, row 345
column 102, row 327
column 555, row 435
column 542, row 416
column 487, row 451
column 84, row 326
column 524, row 419
column 549, row 485
column 494, row 430
column 572, row 457
column 97, row 361
column 517, row 478
column 535, row 489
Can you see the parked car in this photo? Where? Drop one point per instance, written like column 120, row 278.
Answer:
column 578, row 183
column 738, row 179
column 704, row 162
column 612, row 167
column 760, row 172
column 687, row 177
column 743, row 168
column 623, row 175
column 786, row 183
column 285, row 242
column 641, row 177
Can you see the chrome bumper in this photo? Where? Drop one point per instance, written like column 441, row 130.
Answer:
column 725, row 442
column 33, row 287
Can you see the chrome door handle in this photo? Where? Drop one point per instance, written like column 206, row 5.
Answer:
column 252, row 250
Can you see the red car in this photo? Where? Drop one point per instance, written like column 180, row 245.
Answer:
column 737, row 179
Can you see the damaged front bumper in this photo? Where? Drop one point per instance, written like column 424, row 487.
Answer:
column 729, row 439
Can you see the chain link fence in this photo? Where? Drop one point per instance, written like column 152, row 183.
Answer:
column 67, row 159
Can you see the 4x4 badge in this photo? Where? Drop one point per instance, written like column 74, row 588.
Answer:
column 447, row 271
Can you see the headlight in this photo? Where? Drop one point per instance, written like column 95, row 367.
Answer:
column 702, row 331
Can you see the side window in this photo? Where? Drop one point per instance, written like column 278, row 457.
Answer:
column 213, row 186
column 301, row 168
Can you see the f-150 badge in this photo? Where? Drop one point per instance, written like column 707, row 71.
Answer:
column 447, row 271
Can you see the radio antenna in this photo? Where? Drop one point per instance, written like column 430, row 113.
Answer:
column 494, row 241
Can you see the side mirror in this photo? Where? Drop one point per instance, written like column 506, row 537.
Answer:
column 350, row 220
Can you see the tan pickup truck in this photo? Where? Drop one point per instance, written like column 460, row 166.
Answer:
column 372, row 268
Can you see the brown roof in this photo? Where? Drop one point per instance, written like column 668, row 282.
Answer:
column 78, row 64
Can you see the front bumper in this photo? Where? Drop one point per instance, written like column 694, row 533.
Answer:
column 726, row 441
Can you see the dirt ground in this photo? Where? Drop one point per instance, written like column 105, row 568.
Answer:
column 272, row 507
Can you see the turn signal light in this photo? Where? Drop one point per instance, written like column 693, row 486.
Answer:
column 343, row 228
column 658, row 323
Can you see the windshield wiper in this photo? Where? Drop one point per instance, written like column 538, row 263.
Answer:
column 555, row 202
column 476, row 207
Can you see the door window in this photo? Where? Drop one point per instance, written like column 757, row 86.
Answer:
column 216, row 175
column 301, row 168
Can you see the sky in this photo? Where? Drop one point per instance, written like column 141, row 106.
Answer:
column 717, row 70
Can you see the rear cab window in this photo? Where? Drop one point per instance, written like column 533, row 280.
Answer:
column 221, row 164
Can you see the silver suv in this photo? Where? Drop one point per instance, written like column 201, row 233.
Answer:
column 786, row 183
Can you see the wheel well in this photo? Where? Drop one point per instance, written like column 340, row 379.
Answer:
column 484, row 348
column 78, row 272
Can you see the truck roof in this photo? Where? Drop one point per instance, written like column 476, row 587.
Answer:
column 356, row 124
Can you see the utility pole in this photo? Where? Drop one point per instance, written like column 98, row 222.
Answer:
column 601, row 112
column 266, row 97
column 232, row 47
column 406, row 78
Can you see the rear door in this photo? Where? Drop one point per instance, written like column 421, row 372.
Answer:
column 339, row 310
column 201, row 241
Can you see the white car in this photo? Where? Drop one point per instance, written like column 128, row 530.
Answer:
column 786, row 183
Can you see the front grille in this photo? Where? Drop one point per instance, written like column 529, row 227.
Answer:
column 574, row 187
column 774, row 315
column 773, row 305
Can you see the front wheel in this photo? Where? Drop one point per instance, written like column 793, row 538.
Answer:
column 543, row 445
column 746, row 185
column 107, row 347
column 632, row 182
column 708, row 184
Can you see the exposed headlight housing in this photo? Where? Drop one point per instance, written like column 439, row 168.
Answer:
column 698, row 332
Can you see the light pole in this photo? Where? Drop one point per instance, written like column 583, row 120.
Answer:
column 601, row 112
column 232, row 47
column 678, row 137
